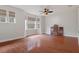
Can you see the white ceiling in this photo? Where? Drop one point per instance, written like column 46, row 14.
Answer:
column 35, row 9
column 32, row 9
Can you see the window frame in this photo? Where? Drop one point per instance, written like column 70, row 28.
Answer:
column 5, row 19
column 11, row 14
column 11, row 22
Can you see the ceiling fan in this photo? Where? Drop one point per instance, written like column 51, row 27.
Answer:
column 46, row 11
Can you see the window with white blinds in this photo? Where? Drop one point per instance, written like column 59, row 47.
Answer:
column 7, row 16
column 33, row 23
column 11, row 17
column 3, row 16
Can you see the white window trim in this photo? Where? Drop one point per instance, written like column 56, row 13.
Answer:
column 35, row 22
column 9, row 19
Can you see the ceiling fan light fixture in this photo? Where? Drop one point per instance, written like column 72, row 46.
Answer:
column 46, row 11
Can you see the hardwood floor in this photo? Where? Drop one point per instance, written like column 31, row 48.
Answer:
column 15, row 46
column 41, row 44
column 56, row 44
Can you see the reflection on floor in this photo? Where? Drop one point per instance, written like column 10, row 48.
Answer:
column 41, row 44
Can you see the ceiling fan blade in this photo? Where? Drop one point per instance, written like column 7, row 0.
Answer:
column 50, row 11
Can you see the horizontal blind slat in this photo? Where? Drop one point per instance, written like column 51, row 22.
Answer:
column 2, row 12
column 11, row 14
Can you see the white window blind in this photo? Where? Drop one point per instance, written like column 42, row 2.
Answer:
column 2, row 12
column 12, row 17
column 2, row 16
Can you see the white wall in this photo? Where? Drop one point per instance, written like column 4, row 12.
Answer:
column 78, row 26
column 66, row 17
column 8, row 30
column 78, row 21
column 43, row 24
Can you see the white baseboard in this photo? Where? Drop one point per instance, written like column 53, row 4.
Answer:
column 12, row 39
column 72, row 35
